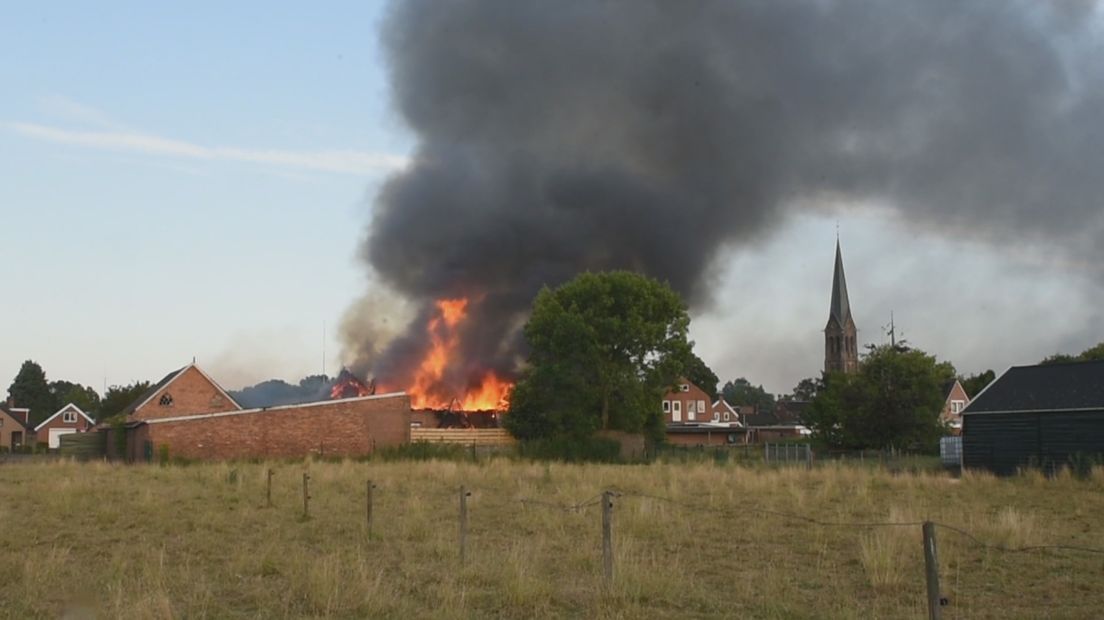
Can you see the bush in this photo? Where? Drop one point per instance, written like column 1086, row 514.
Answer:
column 590, row 450
column 1081, row 465
column 424, row 451
column 163, row 454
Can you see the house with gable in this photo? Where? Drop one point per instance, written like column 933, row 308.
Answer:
column 695, row 419
column 65, row 421
column 15, row 429
column 955, row 400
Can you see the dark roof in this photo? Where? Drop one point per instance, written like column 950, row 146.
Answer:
column 1049, row 387
column 702, row 428
column 761, row 418
column 11, row 415
column 150, row 392
column 791, row 411
column 840, row 310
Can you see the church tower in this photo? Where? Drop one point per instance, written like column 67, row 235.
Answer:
column 841, row 349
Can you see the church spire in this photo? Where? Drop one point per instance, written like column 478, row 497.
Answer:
column 841, row 350
column 841, row 306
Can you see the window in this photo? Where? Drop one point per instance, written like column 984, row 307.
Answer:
column 727, row 416
column 69, row 417
column 701, row 406
column 666, row 406
column 957, row 406
column 690, row 410
column 716, row 417
column 676, row 410
column 166, row 400
column 684, row 388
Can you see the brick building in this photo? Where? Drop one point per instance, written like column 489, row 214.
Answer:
column 955, row 400
column 15, row 430
column 188, row 415
column 67, row 420
column 694, row 419
column 687, row 403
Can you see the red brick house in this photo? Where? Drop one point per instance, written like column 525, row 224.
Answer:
column 724, row 413
column 15, row 431
column 67, row 420
column 694, row 419
column 955, row 400
column 687, row 403
column 188, row 415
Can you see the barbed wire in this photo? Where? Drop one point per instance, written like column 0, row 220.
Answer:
column 776, row 513
column 1026, row 549
column 577, row 507
column 868, row 524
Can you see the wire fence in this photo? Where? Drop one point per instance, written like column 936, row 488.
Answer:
column 606, row 501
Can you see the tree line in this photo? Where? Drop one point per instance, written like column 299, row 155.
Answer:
column 605, row 347
column 31, row 389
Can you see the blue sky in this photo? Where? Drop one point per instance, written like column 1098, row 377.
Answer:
column 194, row 180
column 184, row 181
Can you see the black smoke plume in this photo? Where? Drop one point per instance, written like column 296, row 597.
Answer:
column 560, row 136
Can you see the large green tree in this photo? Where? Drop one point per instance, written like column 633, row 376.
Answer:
column 702, row 375
column 743, row 392
column 86, row 398
column 604, row 347
column 894, row 400
column 118, row 397
column 31, row 390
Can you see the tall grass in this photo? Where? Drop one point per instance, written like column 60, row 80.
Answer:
column 695, row 539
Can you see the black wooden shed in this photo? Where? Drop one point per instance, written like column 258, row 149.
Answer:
column 1036, row 416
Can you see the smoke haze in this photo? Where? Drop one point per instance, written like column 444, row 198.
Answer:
column 556, row 137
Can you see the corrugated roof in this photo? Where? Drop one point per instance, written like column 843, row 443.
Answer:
column 1047, row 387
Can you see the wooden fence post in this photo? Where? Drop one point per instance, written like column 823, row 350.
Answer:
column 607, row 535
column 306, row 496
column 268, row 491
column 931, row 568
column 464, row 524
column 369, row 488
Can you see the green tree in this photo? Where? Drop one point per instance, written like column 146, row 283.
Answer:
column 807, row 388
column 86, row 398
column 604, row 348
column 894, row 400
column 743, row 392
column 30, row 389
column 1088, row 355
column 976, row 383
column 118, row 397
column 702, row 376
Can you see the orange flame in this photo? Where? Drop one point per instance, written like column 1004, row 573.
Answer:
column 426, row 390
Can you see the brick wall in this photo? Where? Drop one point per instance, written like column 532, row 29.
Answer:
column 192, row 393
column 346, row 427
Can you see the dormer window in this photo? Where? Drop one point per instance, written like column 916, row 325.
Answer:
column 69, row 417
column 166, row 400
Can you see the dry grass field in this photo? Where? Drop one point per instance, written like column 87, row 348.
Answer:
column 99, row 540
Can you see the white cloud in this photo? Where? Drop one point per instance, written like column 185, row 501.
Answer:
column 338, row 161
column 66, row 109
